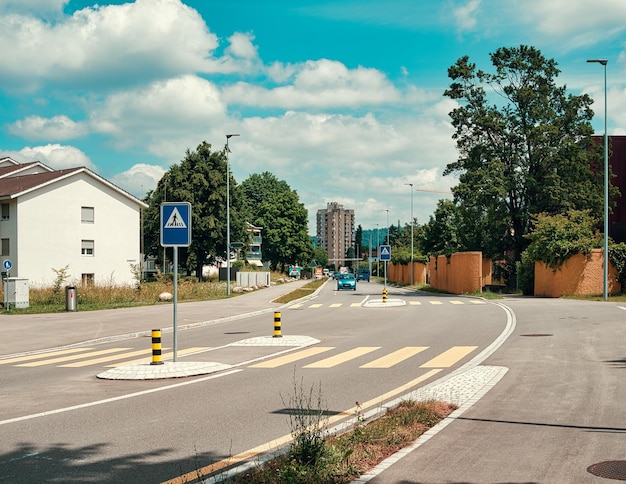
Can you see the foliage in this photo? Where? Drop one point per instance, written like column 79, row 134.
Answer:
column 556, row 238
column 62, row 275
column 531, row 154
column 200, row 179
column 275, row 207
column 617, row 256
column 320, row 256
column 440, row 236
column 526, row 274
column 303, row 291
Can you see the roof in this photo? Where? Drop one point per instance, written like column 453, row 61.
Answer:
column 12, row 187
column 13, row 170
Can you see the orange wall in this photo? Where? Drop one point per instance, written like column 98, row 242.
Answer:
column 579, row 275
column 401, row 273
column 461, row 273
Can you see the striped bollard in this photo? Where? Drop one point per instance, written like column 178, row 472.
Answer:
column 385, row 295
column 156, row 347
column 277, row 331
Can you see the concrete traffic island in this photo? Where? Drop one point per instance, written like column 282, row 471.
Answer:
column 384, row 303
column 171, row 369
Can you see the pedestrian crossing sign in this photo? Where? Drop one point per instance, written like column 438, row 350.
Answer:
column 385, row 252
column 176, row 224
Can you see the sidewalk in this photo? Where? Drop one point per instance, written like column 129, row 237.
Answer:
column 37, row 332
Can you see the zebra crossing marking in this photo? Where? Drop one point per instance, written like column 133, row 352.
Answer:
column 17, row 359
column 290, row 358
column 61, row 359
column 449, row 357
column 342, row 357
column 395, row 357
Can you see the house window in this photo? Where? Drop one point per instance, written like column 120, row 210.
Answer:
column 5, row 246
column 5, row 211
column 86, row 279
column 87, row 247
column 86, row 215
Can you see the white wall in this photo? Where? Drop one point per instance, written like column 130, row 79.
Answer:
column 50, row 232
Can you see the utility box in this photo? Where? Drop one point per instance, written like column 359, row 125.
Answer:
column 16, row 292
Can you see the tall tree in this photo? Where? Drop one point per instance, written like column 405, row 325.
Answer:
column 276, row 208
column 524, row 147
column 200, row 179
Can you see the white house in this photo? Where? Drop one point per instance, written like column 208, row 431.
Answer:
column 51, row 219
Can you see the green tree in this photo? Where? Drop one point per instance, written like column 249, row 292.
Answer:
column 530, row 154
column 441, row 234
column 320, row 256
column 199, row 179
column 276, row 208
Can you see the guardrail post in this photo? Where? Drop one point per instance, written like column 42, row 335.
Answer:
column 277, row 330
column 156, row 347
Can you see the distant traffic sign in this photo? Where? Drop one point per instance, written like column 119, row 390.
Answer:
column 385, row 252
column 7, row 264
column 176, row 224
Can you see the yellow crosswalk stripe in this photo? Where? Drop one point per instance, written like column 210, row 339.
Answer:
column 336, row 305
column 415, row 303
column 296, row 306
column 457, row 302
column 395, row 357
column 343, row 357
column 477, row 301
column 290, row 358
column 355, row 305
column 449, row 357
column 313, row 306
column 38, row 356
column 105, row 359
column 435, row 302
column 61, row 359
column 164, row 356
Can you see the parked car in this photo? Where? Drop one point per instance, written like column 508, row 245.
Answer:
column 363, row 275
column 346, row 281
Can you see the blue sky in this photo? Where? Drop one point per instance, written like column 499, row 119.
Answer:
column 343, row 100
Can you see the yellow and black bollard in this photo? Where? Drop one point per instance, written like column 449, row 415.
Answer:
column 385, row 295
column 277, row 333
column 156, row 347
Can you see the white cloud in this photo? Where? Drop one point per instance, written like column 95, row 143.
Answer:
column 465, row 16
column 321, row 83
column 139, row 179
column 103, row 45
column 54, row 155
column 57, row 128
column 37, row 7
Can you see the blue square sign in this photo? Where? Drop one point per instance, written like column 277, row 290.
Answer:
column 385, row 252
column 176, row 224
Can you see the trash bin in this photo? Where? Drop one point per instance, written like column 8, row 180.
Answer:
column 70, row 298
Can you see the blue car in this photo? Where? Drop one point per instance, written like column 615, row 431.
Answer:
column 346, row 281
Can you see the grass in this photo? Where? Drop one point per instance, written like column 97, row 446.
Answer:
column 342, row 458
column 303, row 291
column 51, row 300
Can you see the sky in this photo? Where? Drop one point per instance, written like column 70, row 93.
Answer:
column 341, row 99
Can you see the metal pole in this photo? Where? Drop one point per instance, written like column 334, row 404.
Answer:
column 605, row 291
column 174, row 345
column 227, row 150
column 411, row 187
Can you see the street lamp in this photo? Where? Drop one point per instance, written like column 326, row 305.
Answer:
column 606, row 186
column 411, row 188
column 226, row 151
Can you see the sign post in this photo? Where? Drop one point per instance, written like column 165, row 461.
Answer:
column 175, row 233
column 6, row 265
column 385, row 255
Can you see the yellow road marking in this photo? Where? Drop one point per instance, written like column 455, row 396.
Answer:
column 313, row 306
column 336, row 305
column 449, row 357
column 415, row 303
column 395, row 357
column 342, row 357
column 355, row 305
column 435, row 302
column 61, row 359
column 290, row 358
column 195, row 349
column 456, row 302
column 285, row 439
column 104, row 359
column 475, row 301
column 38, row 356
column 295, row 306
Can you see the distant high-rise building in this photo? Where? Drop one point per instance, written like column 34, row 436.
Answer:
column 335, row 232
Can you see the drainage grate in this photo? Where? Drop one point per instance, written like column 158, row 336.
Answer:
column 610, row 469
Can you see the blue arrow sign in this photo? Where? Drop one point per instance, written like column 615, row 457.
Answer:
column 385, row 252
column 176, row 224
column 6, row 263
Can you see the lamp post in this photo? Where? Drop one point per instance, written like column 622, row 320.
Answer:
column 411, row 188
column 606, row 186
column 226, row 151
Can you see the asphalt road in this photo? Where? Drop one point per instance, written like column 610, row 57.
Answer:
column 556, row 409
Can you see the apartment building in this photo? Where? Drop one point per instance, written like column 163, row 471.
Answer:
column 335, row 232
